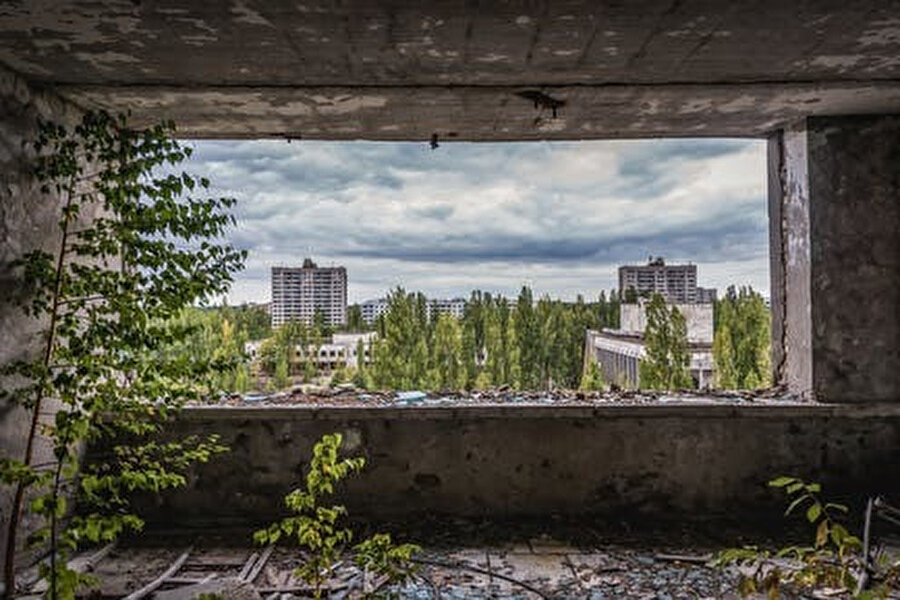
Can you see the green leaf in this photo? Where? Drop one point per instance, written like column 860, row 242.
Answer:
column 822, row 534
column 782, row 481
column 795, row 487
column 813, row 512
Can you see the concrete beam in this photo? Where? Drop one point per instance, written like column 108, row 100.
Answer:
column 403, row 70
column 485, row 113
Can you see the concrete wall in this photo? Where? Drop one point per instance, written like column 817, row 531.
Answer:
column 697, row 317
column 664, row 460
column 836, row 261
column 854, row 186
column 27, row 220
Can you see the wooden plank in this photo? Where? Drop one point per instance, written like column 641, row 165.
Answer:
column 263, row 559
column 83, row 563
column 156, row 583
column 247, row 566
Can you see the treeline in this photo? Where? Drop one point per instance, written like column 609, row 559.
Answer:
column 525, row 344
column 528, row 345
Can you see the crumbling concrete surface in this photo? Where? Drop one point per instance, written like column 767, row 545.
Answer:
column 567, row 69
column 836, row 258
column 28, row 220
column 666, row 460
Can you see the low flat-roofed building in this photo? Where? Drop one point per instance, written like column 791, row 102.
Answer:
column 619, row 354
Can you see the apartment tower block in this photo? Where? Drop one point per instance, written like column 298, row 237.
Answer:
column 299, row 292
column 676, row 283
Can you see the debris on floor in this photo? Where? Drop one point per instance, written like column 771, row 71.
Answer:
column 540, row 568
column 347, row 395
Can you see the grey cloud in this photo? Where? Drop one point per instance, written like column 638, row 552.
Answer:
column 438, row 212
column 479, row 212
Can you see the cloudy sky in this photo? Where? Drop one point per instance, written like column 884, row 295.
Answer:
column 557, row 216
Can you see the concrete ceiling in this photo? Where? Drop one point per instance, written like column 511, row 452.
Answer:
column 379, row 69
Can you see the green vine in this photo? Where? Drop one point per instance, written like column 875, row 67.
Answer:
column 135, row 247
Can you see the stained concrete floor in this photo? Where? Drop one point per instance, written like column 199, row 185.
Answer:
column 540, row 567
column 551, row 557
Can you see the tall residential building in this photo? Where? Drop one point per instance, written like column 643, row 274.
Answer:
column 299, row 292
column 676, row 283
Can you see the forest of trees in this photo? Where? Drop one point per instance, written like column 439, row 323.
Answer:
column 217, row 337
column 528, row 345
column 525, row 344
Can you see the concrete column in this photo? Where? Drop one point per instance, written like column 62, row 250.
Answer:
column 835, row 231
column 27, row 220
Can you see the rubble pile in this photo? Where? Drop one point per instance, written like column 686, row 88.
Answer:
column 348, row 395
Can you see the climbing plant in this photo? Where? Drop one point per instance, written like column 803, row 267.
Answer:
column 138, row 242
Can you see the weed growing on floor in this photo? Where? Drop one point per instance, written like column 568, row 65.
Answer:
column 830, row 560
column 315, row 526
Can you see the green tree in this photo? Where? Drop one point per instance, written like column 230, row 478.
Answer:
column 320, row 324
column 355, row 320
column 361, row 376
column 495, row 367
column 282, row 376
column 592, row 380
column 400, row 354
column 448, row 370
column 242, row 379
column 512, row 352
column 667, row 358
column 742, row 342
column 723, row 354
column 528, row 340
column 110, row 297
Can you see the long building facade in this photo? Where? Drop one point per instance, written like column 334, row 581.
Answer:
column 456, row 307
column 300, row 292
